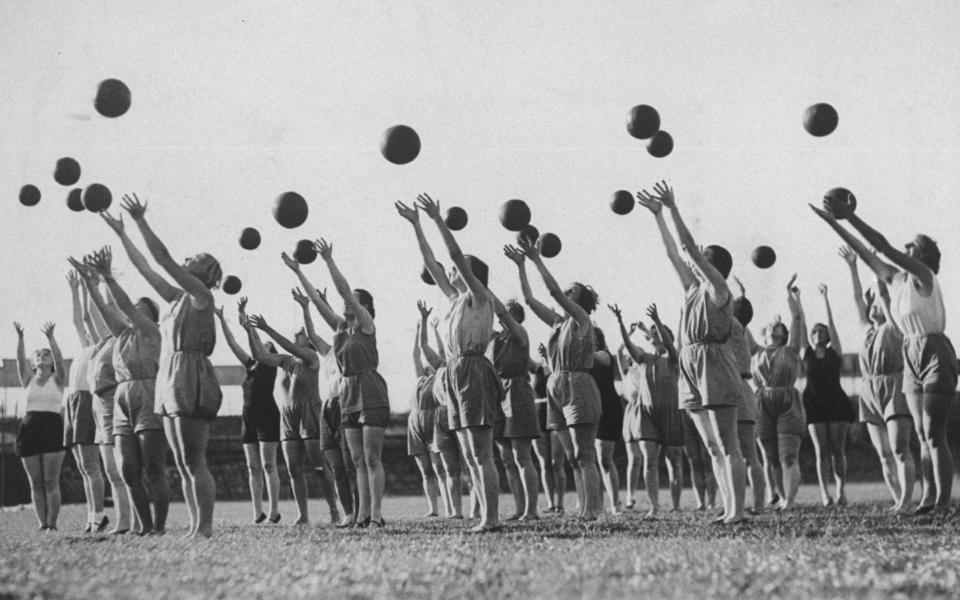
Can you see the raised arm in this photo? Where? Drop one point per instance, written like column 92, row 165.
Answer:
column 478, row 291
column 417, row 362
column 305, row 354
column 60, row 373
column 798, row 323
column 884, row 300
column 23, row 367
column 441, row 353
column 880, row 268
column 661, row 333
column 655, row 206
column 429, row 260
column 235, row 347
column 634, row 351
column 168, row 292
column 73, row 279
column 532, row 251
column 364, row 319
column 315, row 296
column 318, row 342
column 509, row 323
column 543, row 312
column 850, row 257
column 101, row 261
column 433, row 359
column 834, row 338
column 260, row 352
column 200, row 295
column 915, row 267
column 113, row 318
column 92, row 334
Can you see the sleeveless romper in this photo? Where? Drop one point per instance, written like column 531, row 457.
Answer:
column 363, row 397
column 881, row 370
column 709, row 375
column 823, row 397
column 135, row 365
column 572, row 394
column 779, row 407
column 517, row 417
column 187, row 386
column 420, row 423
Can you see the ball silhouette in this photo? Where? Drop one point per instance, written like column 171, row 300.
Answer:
column 660, row 145
column 231, row 284
column 643, row 121
column 622, row 202
column 249, row 238
column 113, row 98
column 29, row 195
column 514, row 215
column 426, row 276
column 530, row 234
column 67, row 171
column 456, row 218
column 400, row 144
column 75, row 200
column 842, row 195
column 551, row 245
column 290, row 210
column 97, row 197
column 820, row 119
column 305, row 252
column 763, row 257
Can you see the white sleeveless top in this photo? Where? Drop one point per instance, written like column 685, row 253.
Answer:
column 79, row 380
column 44, row 398
column 916, row 315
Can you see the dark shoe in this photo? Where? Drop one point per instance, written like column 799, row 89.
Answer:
column 275, row 519
column 260, row 518
column 88, row 528
column 381, row 523
column 923, row 510
column 99, row 527
column 364, row 523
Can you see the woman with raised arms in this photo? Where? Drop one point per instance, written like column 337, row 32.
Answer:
column 573, row 407
column 930, row 361
column 473, row 389
column 187, row 391
column 710, row 386
column 420, row 423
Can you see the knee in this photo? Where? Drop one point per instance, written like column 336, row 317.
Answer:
column 253, row 470
column 51, row 485
column 788, row 460
column 269, row 468
column 195, row 463
column 296, row 471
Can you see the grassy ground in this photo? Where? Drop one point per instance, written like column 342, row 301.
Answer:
column 858, row 551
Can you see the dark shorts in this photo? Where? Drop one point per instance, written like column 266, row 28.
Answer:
column 133, row 408
column 300, row 421
column 79, row 426
column 661, row 423
column 40, row 432
column 444, row 440
column 929, row 365
column 260, row 424
column 542, row 417
column 368, row 417
column 330, row 424
column 780, row 411
column 610, row 427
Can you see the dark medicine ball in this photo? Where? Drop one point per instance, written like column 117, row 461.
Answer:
column 231, row 285
column 842, row 195
column 67, row 171
column 763, row 257
column 820, row 119
column 528, row 234
column 622, row 202
column 426, row 276
column 514, row 215
column 249, row 238
column 660, row 145
column 113, row 98
column 97, row 197
column 290, row 210
column 29, row 195
column 75, row 200
column 456, row 218
column 305, row 252
column 551, row 245
column 643, row 121
column 400, row 144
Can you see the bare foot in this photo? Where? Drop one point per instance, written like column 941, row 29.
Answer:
column 301, row 520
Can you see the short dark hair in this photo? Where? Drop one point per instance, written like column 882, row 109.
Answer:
column 743, row 310
column 516, row 311
column 720, row 258
column 365, row 298
column 479, row 268
column 599, row 339
column 152, row 307
column 929, row 251
column 586, row 298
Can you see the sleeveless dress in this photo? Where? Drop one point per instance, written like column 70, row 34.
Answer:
column 707, row 365
column 420, row 423
column 135, row 359
column 930, row 361
column 363, row 396
column 187, row 385
column 610, row 426
column 572, row 394
column 473, row 388
column 103, row 382
column 740, row 346
column 260, row 420
column 517, row 417
column 41, row 430
column 630, row 382
column 779, row 407
column 79, row 425
column 881, row 370
column 300, row 407
column 823, row 397
column 659, row 416
column 539, row 386
column 330, row 417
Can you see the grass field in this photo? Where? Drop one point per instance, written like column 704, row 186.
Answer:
column 857, row 552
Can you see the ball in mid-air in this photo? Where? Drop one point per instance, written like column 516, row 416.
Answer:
column 231, row 284
column 550, row 245
column 113, row 98
column 763, row 257
column 660, row 145
column 528, row 234
column 290, row 210
column 820, row 119
column 29, row 195
column 841, row 195
column 400, row 144
column 514, row 215
column 456, row 218
column 249, row 238
column 75, row 200
column 97, row 197
column 643, row 121
column 305, row 252
column 67, row 171
column 622, row 202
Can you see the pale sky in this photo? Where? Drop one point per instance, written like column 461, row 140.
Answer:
column 235, row 103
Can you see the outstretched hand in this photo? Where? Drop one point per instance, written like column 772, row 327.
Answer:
column 822, row 288
column 791, row 288
column 131, row 203
column 115, row 223
column 616, row 311
column 299, row 297
column 514, row 254
column 73, row 279
column 665, row 194
column 429, row 206
column 840, row 209
column 101, row 260
column 848, row 255
column 435, row 322
column 257, row 321
column 85, row 270
column 542, row 351
column 47, row 328
column 19, row 328
column 653, row 314
column 291, row 263
column 410, row 214
column 826, row 216
column 424, row 309
column 324, row 249
column 647, row 200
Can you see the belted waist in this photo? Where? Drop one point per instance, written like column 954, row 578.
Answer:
column 708, row 340
column 132, row 379
column 746, row 375
column 359, row 371
column 471, row 353
column 581, row 370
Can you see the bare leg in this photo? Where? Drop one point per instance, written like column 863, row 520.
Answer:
column 698, row 469
column 52, row 462
column 325, row 473
column 131, row 467
column 185, row 486
column 528, row 476
column 351, row 473
column 33, row 465
column 429, row 480
column 295, row 455
column 928, row 490
column 513, row 477
column 881, row 443
column 651, row 474
column 789, row 452
column 936, row 415
column 773, row 470
column 820, row 437
column 87, row 457
column 440, row 477
column 541, row 447
column 585, row 454
column 559, row 440
column 121, row 497
column 466, row 451
column 355, row 441
column 674, row 456
column 634, row 466
column 268, row 458
column 838, row 457
column 153, row 452
column 898, row 430
column 703, row 422
column 334, row 458
column 254, row 477
column 609, row 475
column 454, row 482
column 748, row 447
column 481, row 443
column 194, row 435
